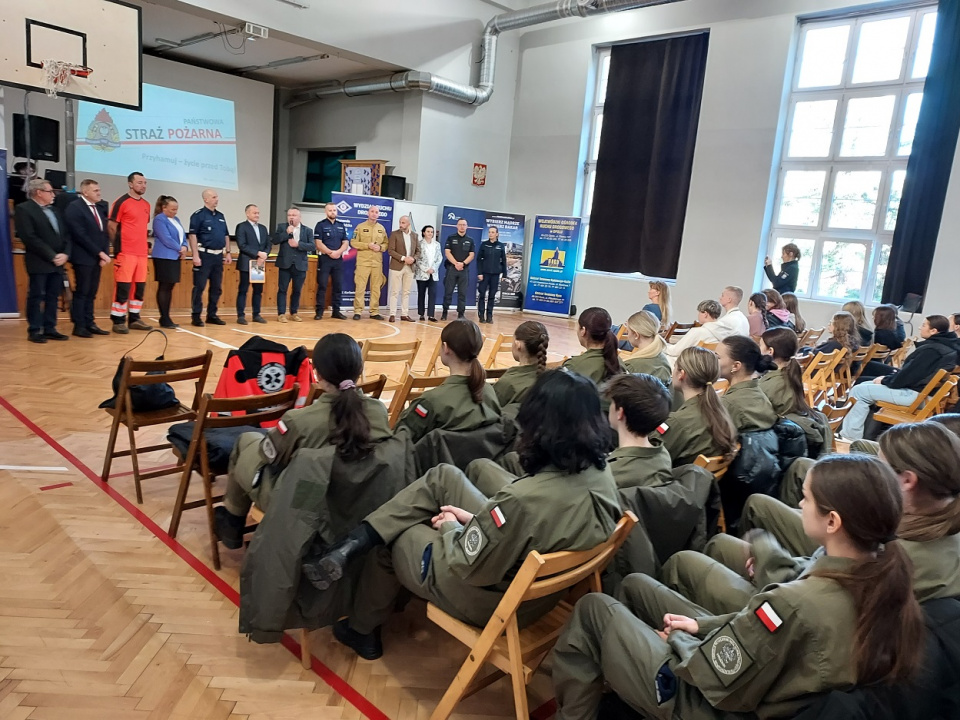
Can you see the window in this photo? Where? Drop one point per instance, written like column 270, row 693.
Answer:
column 593, row 141
column 855, row 98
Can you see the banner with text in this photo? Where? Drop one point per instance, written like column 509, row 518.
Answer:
column 351, row 211
column 8, row 286
column 510, row 227
column 553, row 264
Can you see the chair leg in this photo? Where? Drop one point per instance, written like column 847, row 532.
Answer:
column 211, row 526
column 136, row 464
column 305, row 659
column 111, row 445
column 517, row 677
column 181, row 497
column 457, row 689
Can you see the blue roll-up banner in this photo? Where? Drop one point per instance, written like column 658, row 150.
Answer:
column 351, row 211
column 553, row 264
column 8, row 284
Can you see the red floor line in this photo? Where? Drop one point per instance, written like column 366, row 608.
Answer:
column 58, row 485
column 545, row 711
column 338, row 684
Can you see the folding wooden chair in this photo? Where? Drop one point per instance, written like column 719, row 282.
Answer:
column 721, row 386
column 217, row 413
column 835, row 415
column 711, row 346
column 717, row 466
column 677, row 330
column 622, row 333
column 928, row 402
column 411, row 387
column 494, row 374
column 503, row 344
column 372, row 387
column 898, row 356
column 162, row 371
column 848, row 376
column 502, row 643
column 376, row 351
column 819, row 376
column 810, row 337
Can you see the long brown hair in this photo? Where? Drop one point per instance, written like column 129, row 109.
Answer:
column 338, row 360
column 598, row 326
column 663, row 301
column 535, row 339
column 890, row 633
column 932, row 453
column 859, row 312
column 785, row 343
column 846, row 334
column 885, row 317
column 792, row 304
column 464, row 339
column 701, row 370
column 775, row 298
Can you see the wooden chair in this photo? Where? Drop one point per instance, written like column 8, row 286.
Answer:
column 376, row 351
column 898, row 356
column 622, row 333
column 502, row 643
column 810, row 337
column 819, row 376
column 411, row 387
column 835, row 415
column 217, row 413
column 721, row 386
column 711, row 346
column 494, row 374
column 717, row 466
column 502, row 345
column 162, row 371
column 557, row 363
column 677, row 330
column 848, row 376
column 372, row 387
column 928, row 402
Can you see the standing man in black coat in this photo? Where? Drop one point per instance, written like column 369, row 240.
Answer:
column 86, row 219
column 46, row 239
column 296, row 242
column 253, row 241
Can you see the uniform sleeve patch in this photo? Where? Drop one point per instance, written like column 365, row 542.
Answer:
column 268, row 449
column 282, row 427
column 726, row 655
column 768, row 616
column 662, row 428
column 499, row 519
column 472, row 541
column 421, row 410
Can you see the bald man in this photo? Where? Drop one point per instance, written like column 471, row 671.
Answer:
column 210, row 244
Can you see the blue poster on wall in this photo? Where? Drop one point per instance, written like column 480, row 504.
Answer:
column 8, row 286
column 553, row 264
column 351, row 211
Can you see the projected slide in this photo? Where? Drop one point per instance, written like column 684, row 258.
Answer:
column 178, row 136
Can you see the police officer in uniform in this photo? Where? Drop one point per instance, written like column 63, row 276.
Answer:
column 370, row 242
column 459, row 252
column 210, row 245
column 332, row 242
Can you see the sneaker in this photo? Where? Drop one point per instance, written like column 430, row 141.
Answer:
column 369, row 647
column 296, row 318
column 196, row 321
column 121, row 329
column 259, row 319
column 356, row 316
column 229, row 527
column 216, row 321
column 139, row 325
column 282, row 318
column 241, row 320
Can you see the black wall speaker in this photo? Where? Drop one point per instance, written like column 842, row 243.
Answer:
column 393, row 186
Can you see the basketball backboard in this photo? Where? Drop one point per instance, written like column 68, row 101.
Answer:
column 103, row 35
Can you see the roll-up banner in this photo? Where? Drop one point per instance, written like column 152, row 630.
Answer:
column 553, row 264
column 8, row 286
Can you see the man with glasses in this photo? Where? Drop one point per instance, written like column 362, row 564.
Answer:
column 46, row 240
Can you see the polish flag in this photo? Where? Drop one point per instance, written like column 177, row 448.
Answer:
column 768, row 616
column 498, row 517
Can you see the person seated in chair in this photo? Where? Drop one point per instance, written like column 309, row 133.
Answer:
column 708, row 312
column 447, row 542
column 530, row 342
column 740, row 359
column 648, row 356
column 639, row 404
column 342, row 416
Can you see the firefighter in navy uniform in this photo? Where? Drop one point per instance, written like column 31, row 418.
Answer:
column 332, row 242
column 210, row 245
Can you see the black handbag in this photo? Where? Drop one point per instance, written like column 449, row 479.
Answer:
column 156, row 396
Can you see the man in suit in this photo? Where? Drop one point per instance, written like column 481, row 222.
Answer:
column 403, row 248
column 46, row 239
column 296, row 242
column 253, row 240
column 86, row 219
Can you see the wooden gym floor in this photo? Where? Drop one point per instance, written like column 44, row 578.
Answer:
column 102, row 615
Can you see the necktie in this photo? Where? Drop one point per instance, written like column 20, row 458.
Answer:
column 52, row 217
column 93, row 208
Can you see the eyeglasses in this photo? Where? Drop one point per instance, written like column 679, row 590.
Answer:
column 49, row 190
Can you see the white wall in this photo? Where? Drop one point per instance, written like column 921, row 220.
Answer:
column 750, row 51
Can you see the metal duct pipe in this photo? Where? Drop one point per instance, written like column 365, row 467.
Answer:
column 480, row 93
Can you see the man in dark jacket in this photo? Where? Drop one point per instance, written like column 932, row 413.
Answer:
column 937, row 351
column 253, row 241
column 491, row 264
column 786, row 280
column 47, row 243
column 86, row 219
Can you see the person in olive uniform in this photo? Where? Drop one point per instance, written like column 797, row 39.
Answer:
column 749, row 408
column 447, row 542
column 458, row 252
column 332, row 242
column 370, row 242
column 465, row 401
column 786, row 279
column 491, row 266
column 852, row 619
column 342, row 415
column 702, row 425
column 600, row 360
column 643, row 334
column 210, row 244
column 530, row 341
column 639, row 404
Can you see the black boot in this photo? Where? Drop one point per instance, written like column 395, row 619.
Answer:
column 229, row 527
column 369, row 647
column 323, row 570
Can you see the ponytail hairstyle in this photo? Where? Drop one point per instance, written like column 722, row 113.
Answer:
column 598, row 326
column 645, row 401
column 337, row 359
column 644, row 323
column 931, row 452
column 745, row 351
column 663, row 301
column 759, row 301
column 890, row 634
column 774, row 298
column 859, row 312
column 791, row 303
column 464, row 339
column 162, row 202
column 885, row 317
column 845, row 332
column 701, row 370
column 785, row 343
column 535, row 339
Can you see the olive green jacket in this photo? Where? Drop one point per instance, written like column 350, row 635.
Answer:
column 514, row 384
column 815, row 426
column 590, row 364
column 450, row 407
column 749, row 408
column 687, row 434
column 657, row 366
column 640, row 466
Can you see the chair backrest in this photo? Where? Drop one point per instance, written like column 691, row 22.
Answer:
column 135, row 372
column 256, row 409
column 810, row 337
column 503, row 344
column 717, row 465
column 679, row 330
column 711, row 346
column 936, row 400
column 376, row 351
column 411, row 387
column 721, row 386
column 558, row 363
column 848, row 376
column 434, row 361
column 898, row 356
column 372, row 387
column 622, row 333
column 820, row 375
column 494, row 374
column 834, row 414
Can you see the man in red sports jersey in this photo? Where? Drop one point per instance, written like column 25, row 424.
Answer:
column 129, row 219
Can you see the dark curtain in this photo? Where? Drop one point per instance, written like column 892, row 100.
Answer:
column 323, row 174
column 928, row 170
column 650, row 118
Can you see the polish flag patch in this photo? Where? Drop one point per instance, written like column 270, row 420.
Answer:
column 662, row 428
column 282, row 427
column 768, row 616
column 499, row 519
column 421, row 411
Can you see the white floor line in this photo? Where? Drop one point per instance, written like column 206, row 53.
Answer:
column 215, row 343
column 393, row 332
column 33, row 468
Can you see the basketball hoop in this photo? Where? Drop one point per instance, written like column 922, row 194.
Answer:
column 56, row 73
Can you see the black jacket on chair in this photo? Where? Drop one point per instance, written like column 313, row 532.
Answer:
column 41, row 241
column 293, row 257
column 88, row 238
column 249, row 245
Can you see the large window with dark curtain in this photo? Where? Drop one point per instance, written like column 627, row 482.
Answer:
column 323, row 173
column 650, row 117
column 928, row 171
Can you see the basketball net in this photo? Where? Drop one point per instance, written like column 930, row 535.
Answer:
column 56, row 73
